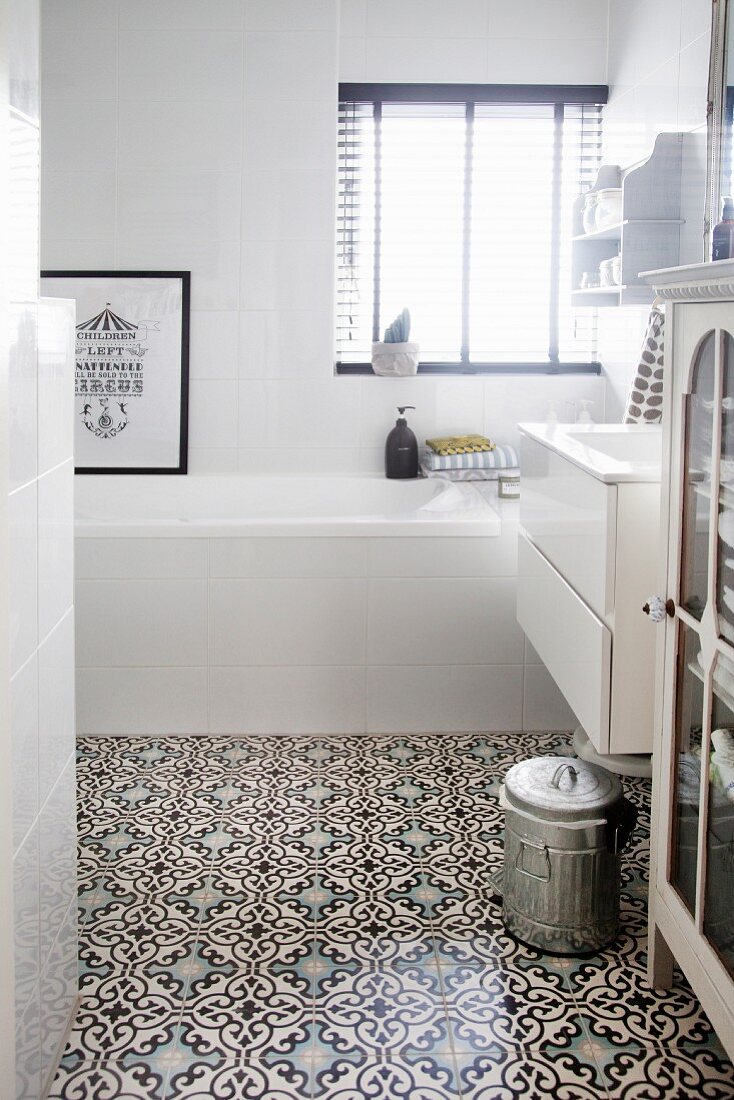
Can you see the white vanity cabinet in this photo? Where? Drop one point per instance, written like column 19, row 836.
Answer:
column 692, row 874
column 589, row 533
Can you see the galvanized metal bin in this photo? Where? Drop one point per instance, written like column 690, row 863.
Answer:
column 567, row 822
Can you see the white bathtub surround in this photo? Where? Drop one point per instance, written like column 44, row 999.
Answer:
column 337, row 605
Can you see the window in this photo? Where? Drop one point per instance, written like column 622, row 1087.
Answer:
column 456, row 201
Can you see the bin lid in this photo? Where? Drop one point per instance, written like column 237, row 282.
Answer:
column 560, row 788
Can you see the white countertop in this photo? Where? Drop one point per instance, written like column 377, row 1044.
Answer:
column 611, row 453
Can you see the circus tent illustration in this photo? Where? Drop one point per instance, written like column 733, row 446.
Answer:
column 106, row 321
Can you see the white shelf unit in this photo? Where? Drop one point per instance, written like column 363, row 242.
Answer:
column 656, row 196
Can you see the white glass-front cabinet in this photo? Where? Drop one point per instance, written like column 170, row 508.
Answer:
column 692, row 885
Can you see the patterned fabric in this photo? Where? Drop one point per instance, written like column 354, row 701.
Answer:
column 500, row 458
column 645, row 401
column 313, row 918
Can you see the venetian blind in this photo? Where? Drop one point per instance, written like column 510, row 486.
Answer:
column 461, row 210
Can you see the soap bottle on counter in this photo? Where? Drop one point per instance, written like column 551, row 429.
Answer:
column 401, row 449
column 723, row 235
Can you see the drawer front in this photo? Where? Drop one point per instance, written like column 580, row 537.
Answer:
column 570, row 517
column 574, row 645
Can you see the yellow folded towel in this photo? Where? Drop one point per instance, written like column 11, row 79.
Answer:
column 460, row 444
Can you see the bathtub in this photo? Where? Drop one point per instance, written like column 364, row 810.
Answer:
column 241, row 605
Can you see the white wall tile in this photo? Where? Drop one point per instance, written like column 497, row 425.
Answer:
column 288, row 204
column 544, row 706
column 181, row 14
column 290, row 15
column 213, row 413
column 301, row 460
column 456, row 60
column 289, row 133
column 187, row 64
column 301, row 622
column 352, row 59
column 413, row 18
column 141, row 559
column 180, row 203
column 80, row 134
column 444, row 697
column 57, row 852
column 23, row 575
column 141, row 700
column 56, row 707
column 79, row 49
column 444, row 557
column 291, row 65
column 352, row 18
column 56, row 338
column 58, row 991
column 161, row 623
column 26, row 898
column 297, row 414
column 465, row 622
column 28, row 1049
column 695, row 20
column 568, row 19
column 55, row 545
column 23, row 56
column 181, row 135
column 214, row 265
column 528, row 60
column 22, row 391
column 65, row 254
column 78, row 204
column 289, row 557
column 24, row 734
column 286, row 344
column 287, row 700
column 287, row 275
column 213, row 460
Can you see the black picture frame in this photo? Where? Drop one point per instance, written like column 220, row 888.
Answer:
column 60, row 283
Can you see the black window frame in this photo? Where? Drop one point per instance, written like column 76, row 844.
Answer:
column 559, row 95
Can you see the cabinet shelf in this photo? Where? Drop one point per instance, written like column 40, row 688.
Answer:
column 658, row 224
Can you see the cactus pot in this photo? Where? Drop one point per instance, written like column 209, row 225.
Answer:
column 395, row 360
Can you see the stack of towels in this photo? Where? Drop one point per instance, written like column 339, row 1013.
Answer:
column 722, row 760
column 467, row 458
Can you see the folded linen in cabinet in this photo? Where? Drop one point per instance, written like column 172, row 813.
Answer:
column 500, row 458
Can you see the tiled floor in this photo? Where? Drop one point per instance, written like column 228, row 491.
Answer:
column 312, row 917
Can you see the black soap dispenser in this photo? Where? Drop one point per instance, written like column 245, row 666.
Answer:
column 401, row 448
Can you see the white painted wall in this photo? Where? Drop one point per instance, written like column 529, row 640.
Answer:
column 210, row 143
column 658, row 74
column 40, row 613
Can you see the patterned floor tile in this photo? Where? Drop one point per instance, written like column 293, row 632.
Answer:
column 676, row 1073
column 374, row 928
column 292, row 917
column 383, row 1009
column 142, row 933
column 420, row 1077
column 254, row 1079
column 130, row 1014
column 619, row 1008
column 527, row 1006
column 256, row 931
column 108, row 1081
column 537, row 1075
column 249, row 1013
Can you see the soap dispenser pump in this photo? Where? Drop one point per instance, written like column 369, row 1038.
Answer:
column 401, row 448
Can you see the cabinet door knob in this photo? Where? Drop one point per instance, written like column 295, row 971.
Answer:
column 657, row 608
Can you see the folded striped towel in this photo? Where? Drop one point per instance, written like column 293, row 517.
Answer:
column 500, row 458
column 468, row 475
column 460, row 444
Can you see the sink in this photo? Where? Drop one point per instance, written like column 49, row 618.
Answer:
column 611, row 453
column 639, row 445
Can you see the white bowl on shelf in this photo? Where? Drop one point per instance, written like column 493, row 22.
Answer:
column 608, row 208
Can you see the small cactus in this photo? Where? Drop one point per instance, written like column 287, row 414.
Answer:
column 399, row 331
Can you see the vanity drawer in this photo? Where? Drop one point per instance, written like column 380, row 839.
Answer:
column 571, row 517
column 574, row 645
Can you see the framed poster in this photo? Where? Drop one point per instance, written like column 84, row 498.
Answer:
column 132, row 368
